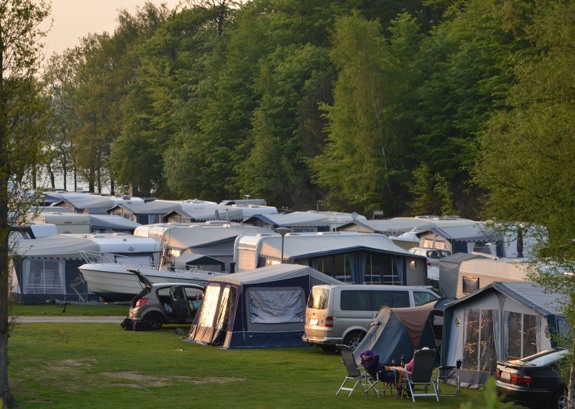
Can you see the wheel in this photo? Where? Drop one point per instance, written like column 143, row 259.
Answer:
column 155, row 318
column 353, row 339
column 559, row 400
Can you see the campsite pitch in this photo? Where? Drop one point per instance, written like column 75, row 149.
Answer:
column 95, row 365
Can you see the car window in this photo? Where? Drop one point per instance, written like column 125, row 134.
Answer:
column 318, row 298
column 193, row 293
column 390, row 299
column 422, row 297
column 546, row 359
column 356, row 300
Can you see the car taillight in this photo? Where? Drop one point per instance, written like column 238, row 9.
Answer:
column 329, row 322
column 518, row 378
column 498, row 373
column 141, row 302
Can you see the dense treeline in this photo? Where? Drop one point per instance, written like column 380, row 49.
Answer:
column 363, row 104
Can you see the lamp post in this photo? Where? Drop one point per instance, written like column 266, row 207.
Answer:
column 282, row 231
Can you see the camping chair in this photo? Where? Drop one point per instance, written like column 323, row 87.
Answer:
column 421, row 376
column 379, row 378
column 355, row 376
column 448, row 374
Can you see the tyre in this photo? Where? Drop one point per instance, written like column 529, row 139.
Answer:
column 155, row 318
column 559, row 400
column 353, row 339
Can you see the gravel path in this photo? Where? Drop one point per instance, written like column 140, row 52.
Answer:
column 62, row 318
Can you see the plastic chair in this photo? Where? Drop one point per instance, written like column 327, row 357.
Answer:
column 420, row 379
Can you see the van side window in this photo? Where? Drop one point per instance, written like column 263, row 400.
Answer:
column 355, row 300
column 390, row 299
column 420, row 298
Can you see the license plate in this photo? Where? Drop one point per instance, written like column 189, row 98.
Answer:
column 313, row 321
column 505, row 376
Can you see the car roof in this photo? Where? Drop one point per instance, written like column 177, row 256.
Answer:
column 189, row 285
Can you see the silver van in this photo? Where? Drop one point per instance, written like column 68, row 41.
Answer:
column 342, row 313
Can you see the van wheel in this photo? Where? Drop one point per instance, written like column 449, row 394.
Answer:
column 353, row 339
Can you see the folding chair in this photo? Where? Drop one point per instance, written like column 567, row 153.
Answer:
column 448, row 374
column 379, row 378
column 355, row 376
column 420, row 379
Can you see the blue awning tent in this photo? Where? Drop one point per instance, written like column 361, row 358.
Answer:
column 259, row 308
column 398, row 332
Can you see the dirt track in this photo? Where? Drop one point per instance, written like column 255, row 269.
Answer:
column 63, row 318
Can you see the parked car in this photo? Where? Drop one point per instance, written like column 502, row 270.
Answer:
column 534, row 381
column 165, row 303
column 342, row 313
column 433, row 255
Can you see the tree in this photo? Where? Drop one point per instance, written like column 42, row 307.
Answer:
column 525, row 160
column 19, row 55
column 364, row 164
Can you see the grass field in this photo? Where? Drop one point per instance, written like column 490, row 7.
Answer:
column 94, row 365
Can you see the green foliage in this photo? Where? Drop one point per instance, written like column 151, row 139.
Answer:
column 525, row 152
column 22, row 115
column 492, row 401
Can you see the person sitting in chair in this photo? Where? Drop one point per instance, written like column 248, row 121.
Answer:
column 371, row 364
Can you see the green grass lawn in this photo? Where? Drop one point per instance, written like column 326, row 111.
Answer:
column 93, row 365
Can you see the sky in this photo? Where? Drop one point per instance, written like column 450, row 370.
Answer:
column 74, row 19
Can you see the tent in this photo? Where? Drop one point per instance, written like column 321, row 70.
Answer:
column 257, row 308
column 502, row 321
column 397, row 332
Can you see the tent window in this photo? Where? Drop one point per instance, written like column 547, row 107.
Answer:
column 522, row 335
column 479, row 343
column 209, row 304
column 44, row 277
column 276, row 306
column 226, row 305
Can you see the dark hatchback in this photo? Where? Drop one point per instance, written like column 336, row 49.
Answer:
column 534, row 381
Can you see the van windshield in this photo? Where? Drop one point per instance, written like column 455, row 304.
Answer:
column 318, row 298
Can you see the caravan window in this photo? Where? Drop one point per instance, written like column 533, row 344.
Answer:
column 44, row 276
column 469, row 284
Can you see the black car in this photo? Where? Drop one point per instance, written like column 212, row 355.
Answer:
column 534, row 381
